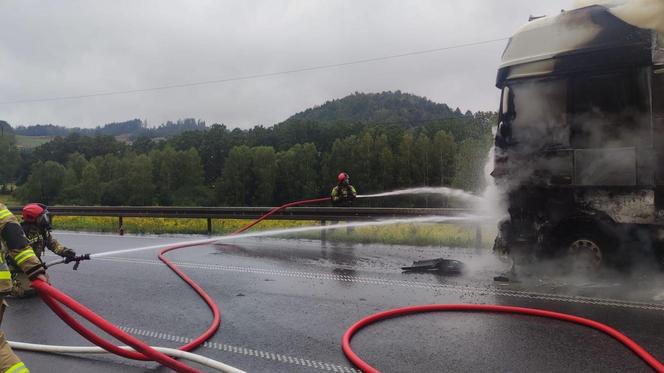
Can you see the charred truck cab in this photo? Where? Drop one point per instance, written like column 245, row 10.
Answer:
column 579, row 149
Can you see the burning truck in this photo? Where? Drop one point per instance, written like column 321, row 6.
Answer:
column 579, row 148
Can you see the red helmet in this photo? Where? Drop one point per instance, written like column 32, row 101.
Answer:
column 33, row 211
column 342, row 176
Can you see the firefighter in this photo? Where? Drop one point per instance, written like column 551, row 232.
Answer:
column 37, row 227
column 343, row 192
column 18, row 248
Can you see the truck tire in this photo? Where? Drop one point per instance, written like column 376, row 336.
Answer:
column 588, row 249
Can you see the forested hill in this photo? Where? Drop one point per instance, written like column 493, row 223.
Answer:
column 384, row 107
column 385, row 141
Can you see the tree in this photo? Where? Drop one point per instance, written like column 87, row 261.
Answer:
column 90, row 186
column 382, row 164
column 9, row 156
column 421, row 167
column 406, row 160
column 190, row 188
column 233, row 186
column 443, row 158
column 298, row 173
column 137, row 183
column 264, row 174
column 44, row 184
column 165, row 174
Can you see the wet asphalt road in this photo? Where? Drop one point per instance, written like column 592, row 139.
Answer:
column 286, row 303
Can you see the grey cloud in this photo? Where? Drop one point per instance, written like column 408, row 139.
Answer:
column 77, row 47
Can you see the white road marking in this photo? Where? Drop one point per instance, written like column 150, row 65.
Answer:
column 408, row 284
column 245, row 351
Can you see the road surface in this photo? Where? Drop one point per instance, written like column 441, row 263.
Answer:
column 286, row 303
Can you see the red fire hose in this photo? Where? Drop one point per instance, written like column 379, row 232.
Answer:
column 397, row 312
column 269, row 213
column 53, row 297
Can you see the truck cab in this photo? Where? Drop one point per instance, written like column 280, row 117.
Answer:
column 579, row 148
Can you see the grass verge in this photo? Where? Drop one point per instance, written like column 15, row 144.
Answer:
column 404, row 234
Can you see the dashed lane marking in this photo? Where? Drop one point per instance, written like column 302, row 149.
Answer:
column 408, row 284
column 250, row 352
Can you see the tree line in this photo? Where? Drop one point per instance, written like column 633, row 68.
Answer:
column 407, row 141
column 254, row 175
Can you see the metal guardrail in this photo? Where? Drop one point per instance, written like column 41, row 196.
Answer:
column 322, row 214
column 293, row 213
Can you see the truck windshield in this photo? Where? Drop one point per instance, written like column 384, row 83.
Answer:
column 610, row 110
column 536, row 114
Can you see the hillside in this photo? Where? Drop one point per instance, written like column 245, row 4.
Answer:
column 389, row 112
column 320, row 124
column 384, row 107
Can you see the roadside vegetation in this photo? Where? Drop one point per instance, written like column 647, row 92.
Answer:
column 402, row 234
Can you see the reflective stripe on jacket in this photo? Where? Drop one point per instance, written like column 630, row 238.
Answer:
column 23, row 256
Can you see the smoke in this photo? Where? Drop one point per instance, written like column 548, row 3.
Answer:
column 493, row 203
column 647, row 14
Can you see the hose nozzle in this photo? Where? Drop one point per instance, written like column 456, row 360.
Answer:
column 77, row 259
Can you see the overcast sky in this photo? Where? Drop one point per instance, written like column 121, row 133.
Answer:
column 67, row 48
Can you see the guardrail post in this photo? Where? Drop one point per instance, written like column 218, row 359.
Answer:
column 120, row 226
column 478, row 236
column 323, row 232
column 209, row 226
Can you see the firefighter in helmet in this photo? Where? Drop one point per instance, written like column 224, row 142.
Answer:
column 16, row 246
column 343, row 192
column 37, row 227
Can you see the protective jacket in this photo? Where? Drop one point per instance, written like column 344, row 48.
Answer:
column 41, row 239
column 342, row 193
column 16, row 245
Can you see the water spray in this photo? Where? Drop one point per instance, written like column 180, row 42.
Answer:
column 443, row 191
column 279, row 232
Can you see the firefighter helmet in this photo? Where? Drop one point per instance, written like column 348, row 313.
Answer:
column 37, row 213
column 342, row 177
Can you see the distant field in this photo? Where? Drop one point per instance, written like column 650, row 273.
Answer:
column 29, row 142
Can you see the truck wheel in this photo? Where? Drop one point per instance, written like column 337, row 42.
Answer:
column 586, row 254
column 588, row 251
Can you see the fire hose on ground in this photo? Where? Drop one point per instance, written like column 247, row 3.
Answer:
column 489, row 308
column 138, row 350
